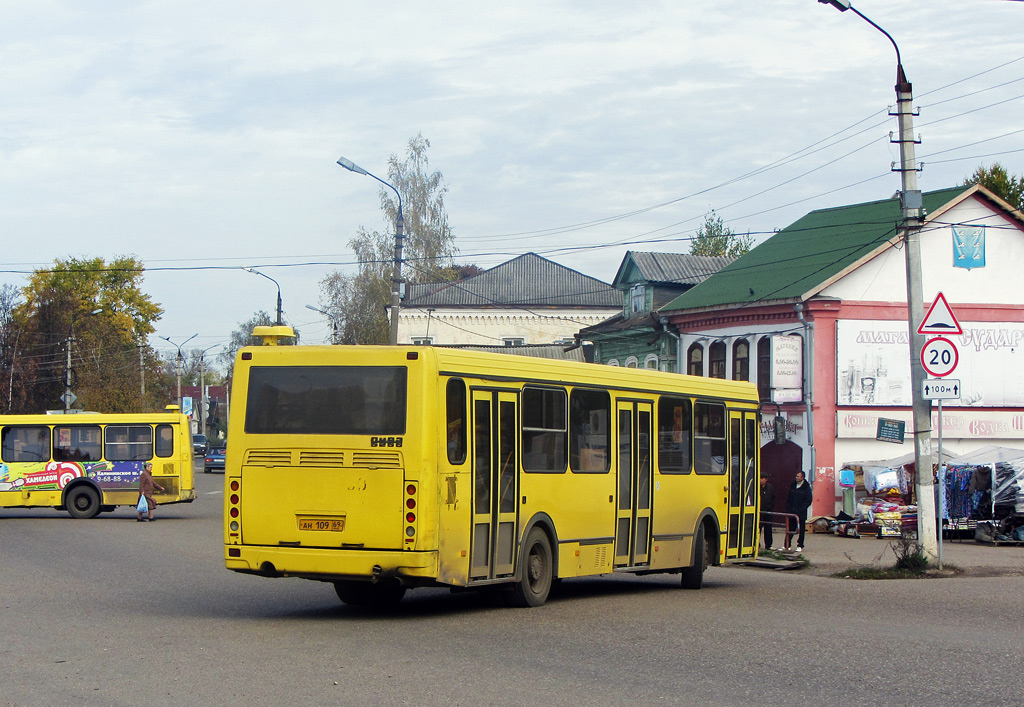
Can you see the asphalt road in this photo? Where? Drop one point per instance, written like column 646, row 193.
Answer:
column 113, row 612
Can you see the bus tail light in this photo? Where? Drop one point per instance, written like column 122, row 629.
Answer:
column 410, row 517
column 234, row 510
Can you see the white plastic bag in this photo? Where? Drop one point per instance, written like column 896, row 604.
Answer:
column 143, row 505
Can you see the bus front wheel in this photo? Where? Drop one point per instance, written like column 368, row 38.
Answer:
column 381, row 594
column 82, row 502
column 693, row 577
column 536, row 574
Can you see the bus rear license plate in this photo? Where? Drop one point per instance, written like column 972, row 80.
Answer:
column 335, row 525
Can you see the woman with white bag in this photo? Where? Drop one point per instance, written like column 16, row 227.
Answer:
column 146, row 486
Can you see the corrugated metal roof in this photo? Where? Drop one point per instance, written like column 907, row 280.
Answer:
column 674, row 268
column 801, row 258
column 583, row 353
column 526, row 281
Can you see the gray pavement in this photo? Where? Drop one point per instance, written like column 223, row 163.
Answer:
column 829, row 553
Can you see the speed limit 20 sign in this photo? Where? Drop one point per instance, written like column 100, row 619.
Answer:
column 939, row 357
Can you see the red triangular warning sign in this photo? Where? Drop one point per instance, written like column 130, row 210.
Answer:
column 940, row 319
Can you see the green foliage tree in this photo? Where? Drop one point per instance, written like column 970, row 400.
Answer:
column 358, row 302
column 715, row 238
column 997, row 180
column 102, row 313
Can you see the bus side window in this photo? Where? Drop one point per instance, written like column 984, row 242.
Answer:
column 589, row 438
column 709, row 438
column 77, row 443
column 675, row 423
column 129, row 443
column 164, row 440
column 544, row 429
column 455, row 420
column 26, row 444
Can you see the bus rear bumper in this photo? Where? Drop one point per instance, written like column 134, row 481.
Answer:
column 329, row 564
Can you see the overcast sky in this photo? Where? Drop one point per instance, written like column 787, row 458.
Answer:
column 202, row 137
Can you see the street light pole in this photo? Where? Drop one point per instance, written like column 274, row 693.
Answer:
column 180, row 358
column 203, row 415
column 257, row 272
column 913, row 213
column 396, row 274
column 332, row 318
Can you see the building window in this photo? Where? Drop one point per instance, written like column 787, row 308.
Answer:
column 716, row 359
column 741, row 360
column 422, row 341
column 514, row 341
column 695, row 360
column 637, row 299
column 764, row 368
column 651, row 362
column 613, row 362
column 632, row 362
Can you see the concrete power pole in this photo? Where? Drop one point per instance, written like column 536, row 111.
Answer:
column 913, row 212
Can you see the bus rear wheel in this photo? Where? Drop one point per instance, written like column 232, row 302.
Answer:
column 693, row 577
column 537, row 571
column 387, row 593
column 82, row 502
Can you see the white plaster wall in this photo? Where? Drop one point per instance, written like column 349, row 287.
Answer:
column 490, row 326
column 884, row 278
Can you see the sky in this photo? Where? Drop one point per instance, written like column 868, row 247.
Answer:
column 202, row 137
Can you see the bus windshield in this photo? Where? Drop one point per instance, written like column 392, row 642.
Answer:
column 343, row 400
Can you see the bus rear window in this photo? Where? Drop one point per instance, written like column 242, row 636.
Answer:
column 343, row 400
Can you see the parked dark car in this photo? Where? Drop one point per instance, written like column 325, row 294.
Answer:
column 214, row 460
column 199, row 445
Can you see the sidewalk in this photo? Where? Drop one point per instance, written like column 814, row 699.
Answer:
column 830, row 553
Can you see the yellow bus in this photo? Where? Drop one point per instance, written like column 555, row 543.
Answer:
column 89, row 463
column 380, row 468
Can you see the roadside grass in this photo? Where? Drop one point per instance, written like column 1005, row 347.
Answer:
column 911, row 563
column 897, row 572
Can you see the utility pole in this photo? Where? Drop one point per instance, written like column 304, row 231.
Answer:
column 67, row 379
column 912, row 207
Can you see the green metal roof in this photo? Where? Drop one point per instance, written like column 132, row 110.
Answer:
column 798, row 260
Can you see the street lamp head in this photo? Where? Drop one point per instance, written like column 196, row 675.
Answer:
column 351, row 166
column 841, row 5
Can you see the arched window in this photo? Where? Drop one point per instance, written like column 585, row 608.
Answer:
column 764, row 367
column 651, row 362
column 695, row 360
column 716, row 359
column 741, row 360
column 613, row 362
column 632, row 362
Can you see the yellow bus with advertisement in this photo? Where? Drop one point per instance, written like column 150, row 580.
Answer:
column 88, row 463
column 384, row 468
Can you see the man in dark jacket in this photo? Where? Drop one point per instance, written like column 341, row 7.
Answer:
column 798, row 500
column 767, row 506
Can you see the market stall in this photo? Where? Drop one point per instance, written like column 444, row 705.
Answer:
column 987, row 486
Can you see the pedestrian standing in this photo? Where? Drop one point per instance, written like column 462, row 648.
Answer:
column 146, row 486
column 798, row 500
column 767, row 507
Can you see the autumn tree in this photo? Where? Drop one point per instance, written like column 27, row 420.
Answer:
column 358, row 302
column 715, row 238
column 998, row 181
column 98, row 310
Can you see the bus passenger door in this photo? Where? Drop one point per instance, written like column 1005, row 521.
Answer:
column 633, row 508
column 495, row 426
column 743, row 487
